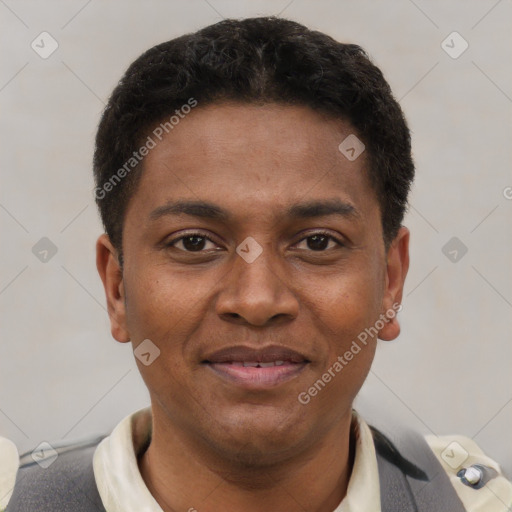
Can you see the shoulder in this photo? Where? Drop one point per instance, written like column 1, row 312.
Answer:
column 9, row 462
column 486, row 488
column 443, row 467
column 54, row 477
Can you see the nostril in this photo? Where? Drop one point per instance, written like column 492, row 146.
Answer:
column 235, row 316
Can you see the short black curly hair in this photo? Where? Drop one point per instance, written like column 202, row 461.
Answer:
column 253, row 60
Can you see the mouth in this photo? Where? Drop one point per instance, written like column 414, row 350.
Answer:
column 256, row 368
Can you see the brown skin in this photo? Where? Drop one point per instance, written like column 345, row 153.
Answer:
column 216, row 446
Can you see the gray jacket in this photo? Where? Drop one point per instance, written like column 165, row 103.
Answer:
column 411, row 479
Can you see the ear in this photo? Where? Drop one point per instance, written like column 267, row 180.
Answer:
column 396, row 271
column 107, row 263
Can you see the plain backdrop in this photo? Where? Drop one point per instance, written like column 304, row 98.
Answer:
column 63, row 377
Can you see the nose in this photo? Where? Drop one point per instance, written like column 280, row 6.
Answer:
column 257, row 293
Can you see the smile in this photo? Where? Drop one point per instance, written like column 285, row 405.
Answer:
column 256, row 368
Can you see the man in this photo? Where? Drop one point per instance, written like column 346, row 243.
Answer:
column 252, row 179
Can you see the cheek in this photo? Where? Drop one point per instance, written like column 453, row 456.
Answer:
column 162, row 308
column 347, row 309
column 156, row 301
column 166, row 308
column 348, row 305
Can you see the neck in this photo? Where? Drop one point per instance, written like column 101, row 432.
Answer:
column 182, row 475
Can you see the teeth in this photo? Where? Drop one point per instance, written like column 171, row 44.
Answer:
column 259, row 364
column 256, row 364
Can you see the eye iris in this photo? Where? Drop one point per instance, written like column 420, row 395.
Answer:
column 194, row 243
column 318, row 242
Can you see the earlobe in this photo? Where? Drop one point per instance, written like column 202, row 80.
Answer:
column 111, row 275
column 396, row 272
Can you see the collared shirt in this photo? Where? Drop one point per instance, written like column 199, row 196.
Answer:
column 122, row 488
column 9, row 462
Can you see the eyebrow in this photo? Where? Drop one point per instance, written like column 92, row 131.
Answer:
column 207, row 210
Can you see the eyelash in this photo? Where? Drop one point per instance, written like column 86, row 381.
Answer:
column 172, row 243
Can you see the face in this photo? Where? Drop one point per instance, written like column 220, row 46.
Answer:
column 253, row 259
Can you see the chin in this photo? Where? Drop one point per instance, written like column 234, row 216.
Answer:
column 258, row 438
column 255, row 452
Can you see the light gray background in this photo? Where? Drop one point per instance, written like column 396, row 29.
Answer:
column 62, row 376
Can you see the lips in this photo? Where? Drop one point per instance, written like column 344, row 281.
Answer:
column 256, row 368
column 243, row 354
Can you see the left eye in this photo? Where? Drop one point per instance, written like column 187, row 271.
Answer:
column 320, row 241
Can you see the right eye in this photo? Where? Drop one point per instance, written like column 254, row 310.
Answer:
column 191, row 242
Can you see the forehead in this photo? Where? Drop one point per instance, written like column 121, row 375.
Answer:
column 253, row 159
